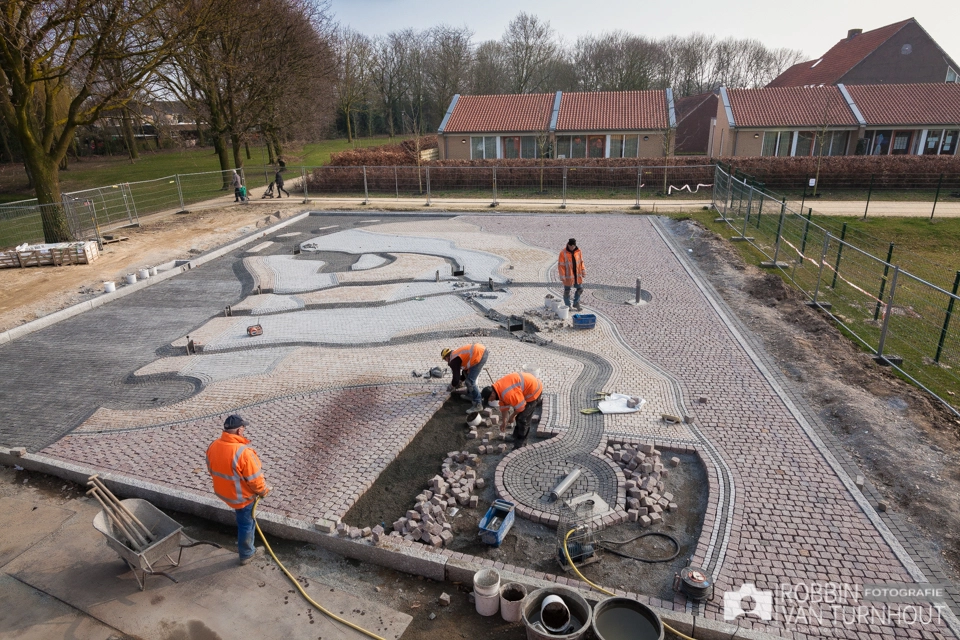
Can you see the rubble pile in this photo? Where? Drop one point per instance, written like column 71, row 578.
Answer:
column 647, row 501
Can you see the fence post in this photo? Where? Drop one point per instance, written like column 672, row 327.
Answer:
column 937, row 196
column 946, row 320
column 396, row 182
column 836, row 268
column 869, row 193
column 366, row 193
column 132, row 203
column 563, row 203
column 806, row 228
column 179, row 192
column 636, row 204
column 303, row 179
column 760, row 208
column 883, row 282
column 823, row 258
column 428, row 186
column 494, row 203
column 743, row 232
column 886, row 317
column 803, row 200
column 776, row 248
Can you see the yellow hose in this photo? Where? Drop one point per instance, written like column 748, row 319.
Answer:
column 297, row 584
column 566, row 553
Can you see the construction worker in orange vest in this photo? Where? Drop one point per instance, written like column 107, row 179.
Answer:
column 571, row 269
column 519, row 395
column 237, row 480
column 467, row 361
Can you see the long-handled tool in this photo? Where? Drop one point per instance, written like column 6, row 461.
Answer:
column 125, row 522
column 121, row 528
column 119, row 506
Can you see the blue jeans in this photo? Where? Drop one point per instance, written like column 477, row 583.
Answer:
column 576, row 297
column 245, row 531
column 471, row 378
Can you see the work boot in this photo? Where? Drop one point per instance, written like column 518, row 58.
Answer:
column 256, row 554
column 578, row 307
column 475, row 408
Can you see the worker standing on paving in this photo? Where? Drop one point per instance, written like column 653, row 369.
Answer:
column 237, row 480
column 570, row 266
column 467, row 361
column 519, row 394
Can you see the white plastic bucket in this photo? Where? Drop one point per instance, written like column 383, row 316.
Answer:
column 486, row 582
column 109, row 286
column 153, row 271
column 487, row 605
column 143, row 274
column 554, row 614
column 511, row 601
column 563, row 311
column 532, row 370
column 130, row 278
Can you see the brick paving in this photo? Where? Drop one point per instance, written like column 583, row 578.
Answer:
column 331, row 398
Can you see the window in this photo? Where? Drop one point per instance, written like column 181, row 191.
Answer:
column 563, row 147
column 834, row 143
column 949, row 146
column 786, row 143
column 880, row 142
column 952, row 75
column 511, row 147
column 483, row 148
column 579, row 147
column 597, row 146
column 901, row 143
column 804, row 143
column 931, row 146
column 624, row 146
column 528, row 147
column 769, row 143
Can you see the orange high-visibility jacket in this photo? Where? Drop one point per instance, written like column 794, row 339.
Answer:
column 517, row 389
column 469, row 355
column 570, row 267
column 235, row 469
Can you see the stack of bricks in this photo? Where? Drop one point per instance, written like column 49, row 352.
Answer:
column 647, row 502
column 427, row 521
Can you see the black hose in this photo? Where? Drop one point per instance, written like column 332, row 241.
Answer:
column 603, row 545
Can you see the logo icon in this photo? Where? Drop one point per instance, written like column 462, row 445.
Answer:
column 762, row 602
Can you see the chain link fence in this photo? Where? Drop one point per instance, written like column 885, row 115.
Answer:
column 900, row 308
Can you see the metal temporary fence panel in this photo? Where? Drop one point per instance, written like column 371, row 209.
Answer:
column 20, row 223
column 113, row 205
column 154, row 196
column 463, row 184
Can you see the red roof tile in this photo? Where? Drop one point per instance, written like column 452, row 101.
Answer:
column 840, row 59
column 613, row 111
column 501, row 113
column 789, row 107
column 908, row 104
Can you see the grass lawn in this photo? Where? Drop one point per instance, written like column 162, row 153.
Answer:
column 103, row 171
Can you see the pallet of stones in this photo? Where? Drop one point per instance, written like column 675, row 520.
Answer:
column 56, row 254
column 647, row 501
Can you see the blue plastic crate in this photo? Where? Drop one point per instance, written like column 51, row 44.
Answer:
column 497, row 522
column 584, row 321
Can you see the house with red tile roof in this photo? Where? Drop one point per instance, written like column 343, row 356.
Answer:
column 603, row 124
column 880, row 119
column 899, row 53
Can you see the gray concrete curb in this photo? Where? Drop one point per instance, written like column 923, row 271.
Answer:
column 41, row 323
column 406, row 557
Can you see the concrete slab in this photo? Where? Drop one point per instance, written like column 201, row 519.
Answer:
column 29, row 614
column 214, row 597
column 35, row 521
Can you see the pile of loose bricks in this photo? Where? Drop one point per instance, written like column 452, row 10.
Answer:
column 488, row 420
column 427, row 521
column 646, row 499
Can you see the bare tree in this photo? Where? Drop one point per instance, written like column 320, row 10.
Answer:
column 489, row 68
column 352, row 53
column 529, row 50
column 49, row 50
column 387, row 67
column 449, row 56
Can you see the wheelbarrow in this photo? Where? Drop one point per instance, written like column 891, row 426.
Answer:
column 169, row 539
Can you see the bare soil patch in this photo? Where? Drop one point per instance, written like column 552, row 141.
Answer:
column 905, row 442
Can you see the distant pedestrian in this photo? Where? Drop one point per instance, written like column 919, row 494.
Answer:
column 278, row 179
column 281, row 164
column 237, row 183
column 237, row 480
column 571, row 269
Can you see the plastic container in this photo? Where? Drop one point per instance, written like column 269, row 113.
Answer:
column 563, row 311
column 511, row 601
column 581, row 615
column 496, row 523
column 109, row 287
column 532, row 370
column 143, row 274
column 616, row 618
column 130, row 278
column 584, row 321
column 486, row 582
column 487, row 605
column 153, row 271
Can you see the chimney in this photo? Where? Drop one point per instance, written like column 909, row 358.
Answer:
column 853, row 32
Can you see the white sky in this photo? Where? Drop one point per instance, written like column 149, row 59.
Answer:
column 810, row 25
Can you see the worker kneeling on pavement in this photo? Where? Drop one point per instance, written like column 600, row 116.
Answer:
column 519, row 395
column 237, row 480
column 467, row 362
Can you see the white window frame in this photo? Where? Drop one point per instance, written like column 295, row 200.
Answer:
column 956, row 76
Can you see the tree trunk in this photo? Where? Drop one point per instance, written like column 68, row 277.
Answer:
column 46, row 176
column 277, row 147
column 7, row 154
column 246, row 148
column 221, row 150
column 128, row 137
column 237, row 158
column 270, row 154
column 349, row 130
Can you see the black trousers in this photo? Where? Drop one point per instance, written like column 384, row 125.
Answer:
column 523, row 419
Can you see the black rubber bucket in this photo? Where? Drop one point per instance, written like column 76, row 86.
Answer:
column 625, row 619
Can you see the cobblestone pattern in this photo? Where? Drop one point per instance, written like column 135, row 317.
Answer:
column 406, row 266
column 270, row 303
column 792, row 518
column 317, row 449
column 477, row 265
column 288, row 274
column 368, row 261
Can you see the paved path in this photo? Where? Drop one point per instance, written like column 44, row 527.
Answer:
column 331, row 400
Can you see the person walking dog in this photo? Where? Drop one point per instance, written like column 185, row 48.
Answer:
column 571, row 269
column 238, row 479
